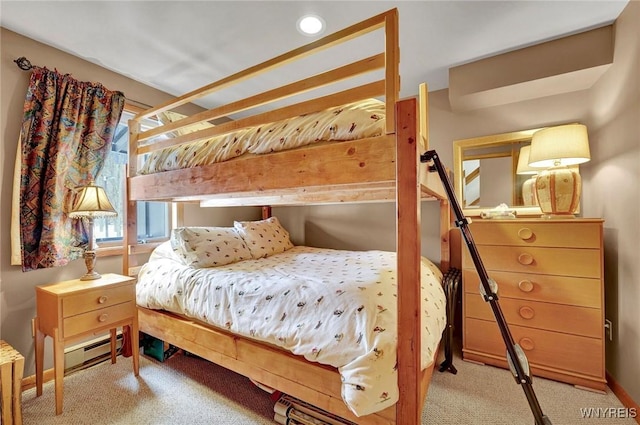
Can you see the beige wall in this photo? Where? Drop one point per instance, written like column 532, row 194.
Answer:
column 612, row 191
column 609, row 109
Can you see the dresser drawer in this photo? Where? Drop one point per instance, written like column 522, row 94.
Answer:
column 553, row 317
column 96, row 319
column 96, row 299
column 554, row 350
column 565, row 234
column 553, row 261
column 585, row 292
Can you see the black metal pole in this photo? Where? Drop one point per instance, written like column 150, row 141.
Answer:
column 515, row 355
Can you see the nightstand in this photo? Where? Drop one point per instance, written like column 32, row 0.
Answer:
column 76, row 309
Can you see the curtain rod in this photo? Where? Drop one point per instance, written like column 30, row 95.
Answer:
column 23, row 63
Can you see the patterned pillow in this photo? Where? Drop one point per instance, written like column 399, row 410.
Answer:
column 264, row 237
column 209, row 246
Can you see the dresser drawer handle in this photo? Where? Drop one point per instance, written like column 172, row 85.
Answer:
column 525, row 259
column 103, row 317
column 525, row 285
column 526, row 312
column 527, row 344
column 102, row 299
column 525, row 233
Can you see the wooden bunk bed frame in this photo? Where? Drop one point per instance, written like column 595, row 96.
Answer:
column 384, row 168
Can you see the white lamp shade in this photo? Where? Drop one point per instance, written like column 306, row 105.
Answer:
column 561, row 145
column 92, row 201
column 523, row 162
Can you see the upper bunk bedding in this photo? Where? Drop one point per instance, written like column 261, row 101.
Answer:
column 330, row 306
column 353, row 121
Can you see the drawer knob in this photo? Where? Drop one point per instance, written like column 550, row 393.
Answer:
column 525, row 233
column 526, row 312
column 103, row 317
column 525, row 259
column 102, row 299
column 527, row 344
column 525, row 285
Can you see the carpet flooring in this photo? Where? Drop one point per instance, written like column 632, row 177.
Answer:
column 191, row 391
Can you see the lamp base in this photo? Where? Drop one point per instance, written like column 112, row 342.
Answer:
column 558, row 191
column 90, row 262
column 91, row 276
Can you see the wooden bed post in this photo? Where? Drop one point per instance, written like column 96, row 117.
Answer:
column 392, row 67
column 409, row 406
column 130, row 218
column 266, row 212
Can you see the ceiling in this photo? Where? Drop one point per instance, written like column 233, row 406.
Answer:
column 178, row 46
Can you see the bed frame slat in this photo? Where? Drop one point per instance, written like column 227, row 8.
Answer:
column 348, row 71
column 357, row 93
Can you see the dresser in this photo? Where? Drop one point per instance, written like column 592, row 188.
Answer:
column 76, row 309
column 551, row 292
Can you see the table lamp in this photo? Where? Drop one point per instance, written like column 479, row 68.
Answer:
column 558, row 187
column 528, row 187
column 91, row 202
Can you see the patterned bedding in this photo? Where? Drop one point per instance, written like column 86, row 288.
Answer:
column 349, row 122
column 330, row 306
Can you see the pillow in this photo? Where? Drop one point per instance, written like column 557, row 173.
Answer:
column 264, row 237
column 165, row 251
column 167, row 117
column 209, row 246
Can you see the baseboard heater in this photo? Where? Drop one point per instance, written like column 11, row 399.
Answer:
column 89, row 353
column 291, row 411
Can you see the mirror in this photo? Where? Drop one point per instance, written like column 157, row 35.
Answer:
column 485, row 173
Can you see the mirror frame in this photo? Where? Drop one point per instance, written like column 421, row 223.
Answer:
column 488, row 141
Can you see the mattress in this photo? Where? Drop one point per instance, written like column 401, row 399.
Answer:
column 349, row 122
column 330, row 306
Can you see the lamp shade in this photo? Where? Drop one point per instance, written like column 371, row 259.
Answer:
column 558, row 187
column 92, row 201
column 561, row 145
column 523, row 162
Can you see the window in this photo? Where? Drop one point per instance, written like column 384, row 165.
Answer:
column 153, row 217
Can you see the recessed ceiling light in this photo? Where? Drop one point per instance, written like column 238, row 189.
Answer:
column 310, row 25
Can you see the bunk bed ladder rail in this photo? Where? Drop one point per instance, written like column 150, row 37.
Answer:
column 518, row 362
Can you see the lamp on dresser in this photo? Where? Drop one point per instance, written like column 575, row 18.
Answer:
column 529, row 185
column 91, row 202
column 558, row 186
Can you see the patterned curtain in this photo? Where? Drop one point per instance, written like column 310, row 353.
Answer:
column 66, row 134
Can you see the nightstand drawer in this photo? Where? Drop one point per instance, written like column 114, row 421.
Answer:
column 580, row 291
column 97, row 319
column 552, row 317
column 95, row 299
column 553, row 350
column 532, row 233
column 553, row 261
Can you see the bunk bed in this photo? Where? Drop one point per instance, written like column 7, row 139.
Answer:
column 372, row 168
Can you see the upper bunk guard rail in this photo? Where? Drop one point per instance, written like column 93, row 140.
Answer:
column 388, row 59
column 313, row 105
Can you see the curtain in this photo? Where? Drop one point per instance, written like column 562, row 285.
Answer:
column 67, row 129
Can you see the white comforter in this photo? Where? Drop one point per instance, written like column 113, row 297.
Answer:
column 330, row 306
